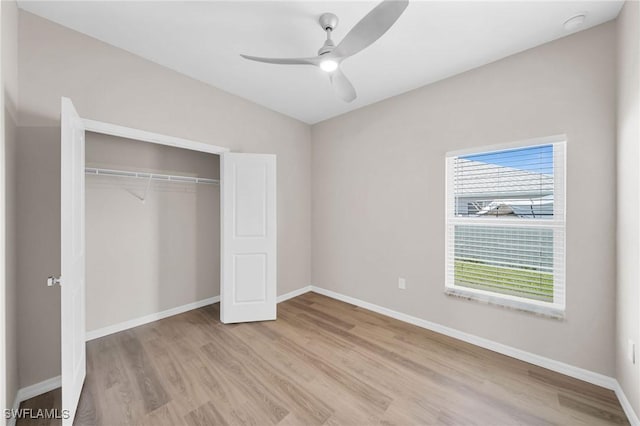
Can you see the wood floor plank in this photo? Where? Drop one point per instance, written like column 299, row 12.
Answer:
column 306, row 406
column 588, row 407
column 310, row 310
column 205, row 415
column 146, row 377
column 323, row 362
column 166, row 415
column 260, row 394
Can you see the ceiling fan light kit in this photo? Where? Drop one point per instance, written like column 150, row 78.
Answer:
column 362, row 35
column 328, row 65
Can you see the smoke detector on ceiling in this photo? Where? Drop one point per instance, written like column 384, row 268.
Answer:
column 575, row 21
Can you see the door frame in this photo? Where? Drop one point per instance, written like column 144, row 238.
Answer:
column 145, row 136
column 142, row 136
column 111, row 129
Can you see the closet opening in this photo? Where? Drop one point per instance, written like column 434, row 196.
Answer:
column 158, row 207
column 152, row 220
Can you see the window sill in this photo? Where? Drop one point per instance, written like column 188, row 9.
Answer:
column 543, row 311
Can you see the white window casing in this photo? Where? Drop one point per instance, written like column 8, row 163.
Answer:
column 505, row 225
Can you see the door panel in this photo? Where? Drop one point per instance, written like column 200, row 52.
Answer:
column 72, row 258
column 250, row 202
column 248, row 275
column 250, row 272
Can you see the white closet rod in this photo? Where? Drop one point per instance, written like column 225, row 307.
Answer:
column 152, row 176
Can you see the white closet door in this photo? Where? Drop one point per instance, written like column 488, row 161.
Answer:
column 248, row 275
column 72, row 259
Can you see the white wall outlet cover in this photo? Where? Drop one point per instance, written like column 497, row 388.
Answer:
column 631, row 351
column 402, row 283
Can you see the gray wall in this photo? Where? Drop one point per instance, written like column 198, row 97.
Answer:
column 147, row 257
column 38, row 252
column 109, row 84
column 378, row 178
column 10, row 92
column 628, row 308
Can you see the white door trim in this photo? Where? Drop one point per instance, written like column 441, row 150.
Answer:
column 145, row 136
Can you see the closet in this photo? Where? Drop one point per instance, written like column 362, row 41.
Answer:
column 159, row 228
column 152, row 217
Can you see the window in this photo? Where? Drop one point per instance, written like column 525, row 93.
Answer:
column 506, row 225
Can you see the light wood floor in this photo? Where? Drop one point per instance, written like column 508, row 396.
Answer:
column 322, row 362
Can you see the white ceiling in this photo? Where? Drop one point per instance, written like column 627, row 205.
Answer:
column 431, row 41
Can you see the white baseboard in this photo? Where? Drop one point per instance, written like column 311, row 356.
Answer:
column 293, row 294
column 29, row 392
column 115, row 328
column 551, row 364
column 626, row 406
column 560, row 367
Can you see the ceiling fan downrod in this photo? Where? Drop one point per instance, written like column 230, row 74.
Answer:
column 328, row 22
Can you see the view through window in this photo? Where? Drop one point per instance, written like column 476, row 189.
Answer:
column 505, row 223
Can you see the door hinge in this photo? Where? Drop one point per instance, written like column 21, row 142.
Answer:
column 51, row 281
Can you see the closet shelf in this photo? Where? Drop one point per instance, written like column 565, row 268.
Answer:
column 149, row 176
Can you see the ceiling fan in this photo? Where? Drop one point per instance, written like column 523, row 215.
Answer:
column 363, row 34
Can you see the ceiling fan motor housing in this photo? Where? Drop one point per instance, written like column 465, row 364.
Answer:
column 328, row 21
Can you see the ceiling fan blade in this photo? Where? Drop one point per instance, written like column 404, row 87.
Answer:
column 342, row 85
column 284, row 61
column 371, row 27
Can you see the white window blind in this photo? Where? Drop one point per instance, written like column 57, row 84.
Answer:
column 506, row 225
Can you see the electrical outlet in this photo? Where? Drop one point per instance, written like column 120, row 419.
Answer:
column 402, row 284
column 631, row 351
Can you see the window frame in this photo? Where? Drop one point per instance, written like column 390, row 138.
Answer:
column 555, row 309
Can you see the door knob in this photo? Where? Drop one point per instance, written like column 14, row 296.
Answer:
column 51, row 281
